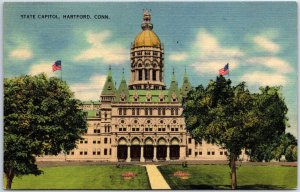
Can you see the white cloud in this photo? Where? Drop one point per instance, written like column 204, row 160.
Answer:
column 43, row 67
column 21, row 53
column 266, row 44
column 107, row 51
column 209, row 46
column 211, row 56
column 275, row 63
column 264, row 79
column 91, row 90
column 178, row 57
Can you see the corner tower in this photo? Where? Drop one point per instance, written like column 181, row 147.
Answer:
column 147, row 58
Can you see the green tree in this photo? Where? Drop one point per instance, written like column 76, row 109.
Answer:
column 233, row 118
column 40, row 116
column 291, row 153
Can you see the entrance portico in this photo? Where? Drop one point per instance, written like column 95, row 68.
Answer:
column 148, row 150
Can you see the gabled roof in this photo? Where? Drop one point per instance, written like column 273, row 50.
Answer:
column 122, row 91
column 109, row 86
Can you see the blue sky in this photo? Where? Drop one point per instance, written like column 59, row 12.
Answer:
column 257, row 39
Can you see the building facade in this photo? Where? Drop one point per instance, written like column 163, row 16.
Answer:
column 142, row 120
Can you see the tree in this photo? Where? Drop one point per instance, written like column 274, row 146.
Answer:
column 291, row 153
column 268, row 152
column 233, row 118
column 40, row 116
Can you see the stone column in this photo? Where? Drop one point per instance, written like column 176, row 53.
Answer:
column 143, row 75
column 128, row 154
column 154, row 154
column 182, row 152
column 151, row 73
column 168, row 153
column 157, row 75
column 142, row 159
column 114, row 154
column 136, row 72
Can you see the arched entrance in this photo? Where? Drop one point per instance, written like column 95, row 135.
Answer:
column 174, row 149
column 148, row 149
column 161, row 149
column 135, row 150
column 122, row 150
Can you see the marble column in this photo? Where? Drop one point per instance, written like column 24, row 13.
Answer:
column 168, row 153
column 142, row 159
column 128, row 154
column 154, row 154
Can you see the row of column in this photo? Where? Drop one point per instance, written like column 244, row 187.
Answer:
column 135, row 75
column 142, row 158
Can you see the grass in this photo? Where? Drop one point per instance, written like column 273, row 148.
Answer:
column 84, row 177
column 217, row 177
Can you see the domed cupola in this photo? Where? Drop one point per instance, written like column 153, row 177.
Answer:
column 146, row 38
column 147, row 58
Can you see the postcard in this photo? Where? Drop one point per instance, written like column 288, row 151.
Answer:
column 150, row 95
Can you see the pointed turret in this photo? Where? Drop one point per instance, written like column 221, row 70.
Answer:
column 123, row 93
column 186, row 86
column 109, row 86
column 174, row 93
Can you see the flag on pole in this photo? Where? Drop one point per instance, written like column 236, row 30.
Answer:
column 224, row 70
column 56, row 65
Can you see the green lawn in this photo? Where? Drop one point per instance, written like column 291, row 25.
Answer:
column 217, row 177
column 84, row 177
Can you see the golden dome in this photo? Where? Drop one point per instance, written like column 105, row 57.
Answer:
column 146, row 38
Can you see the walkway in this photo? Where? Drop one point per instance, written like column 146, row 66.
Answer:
column 156, row 179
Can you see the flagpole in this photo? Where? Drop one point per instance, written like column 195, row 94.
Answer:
column 61, row 72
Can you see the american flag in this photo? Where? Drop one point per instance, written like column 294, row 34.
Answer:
column 224, row 70
column 56, row 65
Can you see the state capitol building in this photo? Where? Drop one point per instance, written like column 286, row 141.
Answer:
column 140, row 120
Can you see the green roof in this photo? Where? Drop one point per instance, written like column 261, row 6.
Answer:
column 90, row 102
column 91, row 113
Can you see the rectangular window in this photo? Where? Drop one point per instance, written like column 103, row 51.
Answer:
column 137, row 111
column 94, row 152
column 81, row 141
column 109, row 151
column 221, row 152
column 163, row 111
column 176, row 129
column 140, row 74
column 172, row 129
column 150, row 129
column 80, row 153
column 176, row 111
column 159, row 129
column 159, row 111
column 105, row 140
column 94, row 142
column 137, row 129
column 124, row 129
column 124, row 111
column 99, row 141
column 200, row 152
column 172, row 111
column 105, row 151
column 190, row 140
column 190, row 151
column 85, row 141
column 196, row 153
column 120, row 129
column 146, row 111
column 133, row 111
column 154, row 75
column 120, row 111
column 212, row 153
column 225, row 152
column 98, row 152
column 85, row 153
column 208, row 152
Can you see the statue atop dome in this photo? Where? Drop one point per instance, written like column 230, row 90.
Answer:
column 147, row 25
